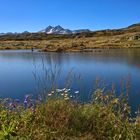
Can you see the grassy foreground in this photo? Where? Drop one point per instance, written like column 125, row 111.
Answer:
column 106, row 117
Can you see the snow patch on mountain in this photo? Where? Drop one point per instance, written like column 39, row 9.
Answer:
column 60, row 30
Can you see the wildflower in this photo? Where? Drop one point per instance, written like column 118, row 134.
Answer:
column 68, row 89
column 26, row 97
column 125, row 108
column 66, row 95
column 52, row 92
column 40, row 98
column 71, row 96
column 76, row 92
column 96, row 98
column 58, row 90
column 10, row 104
column 25, row 103
column 49, row 94
column 63, row 89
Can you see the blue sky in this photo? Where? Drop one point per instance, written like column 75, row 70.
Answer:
column 34, row 15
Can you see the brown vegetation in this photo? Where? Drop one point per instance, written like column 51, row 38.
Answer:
column 105, row 39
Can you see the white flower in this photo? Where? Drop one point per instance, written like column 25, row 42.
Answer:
column 49, row 94
column 76, row 92
column 96, row 98
column 71, row 96
column 63, row 89
column 68, row 90
column 58, row 90
column 66, row 95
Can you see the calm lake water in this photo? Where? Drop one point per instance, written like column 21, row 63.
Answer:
column 23, row 72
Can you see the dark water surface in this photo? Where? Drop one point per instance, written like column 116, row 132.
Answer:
column 20, row 68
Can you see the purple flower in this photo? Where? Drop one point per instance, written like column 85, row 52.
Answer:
column 25, row 103
column 40, row 98
column 27, row 97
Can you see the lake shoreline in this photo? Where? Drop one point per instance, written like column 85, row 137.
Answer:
column 88, row 50
column 70, row 50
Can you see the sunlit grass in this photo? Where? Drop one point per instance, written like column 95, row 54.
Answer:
column 60, row 116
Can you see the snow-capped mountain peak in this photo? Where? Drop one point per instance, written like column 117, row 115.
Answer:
column 60, row 30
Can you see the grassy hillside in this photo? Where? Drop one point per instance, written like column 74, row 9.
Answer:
column 121, row 38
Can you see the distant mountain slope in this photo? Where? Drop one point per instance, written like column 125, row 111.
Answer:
column 133, row 28
column 60, row 30
column 1, row 34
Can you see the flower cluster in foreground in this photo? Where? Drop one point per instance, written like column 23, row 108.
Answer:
column 57, row 117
